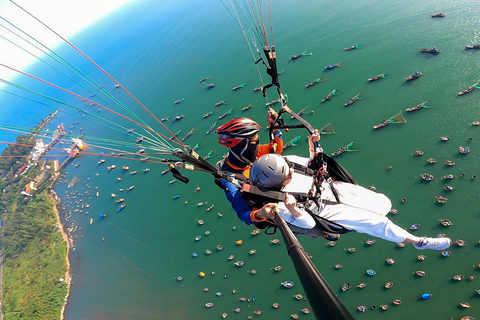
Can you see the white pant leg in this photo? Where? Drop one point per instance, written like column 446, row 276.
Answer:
column 364, row 221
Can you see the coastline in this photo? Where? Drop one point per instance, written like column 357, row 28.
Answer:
column 56, row 200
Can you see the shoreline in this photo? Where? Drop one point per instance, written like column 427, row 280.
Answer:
column 68, row 280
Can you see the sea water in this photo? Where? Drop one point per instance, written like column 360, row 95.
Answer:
column 125, row 266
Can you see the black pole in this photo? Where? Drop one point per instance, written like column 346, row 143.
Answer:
column 325, row 304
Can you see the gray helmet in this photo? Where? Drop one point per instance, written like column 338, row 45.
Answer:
column 269, row 171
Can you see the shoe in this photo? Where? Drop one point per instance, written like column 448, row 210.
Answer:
column 433, row 243
column 330, row 236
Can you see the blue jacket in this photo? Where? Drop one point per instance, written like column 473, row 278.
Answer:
column 239, row 204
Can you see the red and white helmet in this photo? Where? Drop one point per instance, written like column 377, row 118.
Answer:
column 236, row 130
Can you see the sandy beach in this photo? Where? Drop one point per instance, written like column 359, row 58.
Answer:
column 56, row 199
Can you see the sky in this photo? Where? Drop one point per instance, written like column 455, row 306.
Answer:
column 66, row 17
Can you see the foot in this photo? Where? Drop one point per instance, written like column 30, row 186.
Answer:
column 433, row 243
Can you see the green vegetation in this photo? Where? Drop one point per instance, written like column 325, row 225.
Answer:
column 33, row 248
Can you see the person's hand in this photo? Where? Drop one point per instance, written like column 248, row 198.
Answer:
column 268, row 211
column 272, row 115
column 291, row 204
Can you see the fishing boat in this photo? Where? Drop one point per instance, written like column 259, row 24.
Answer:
column 352, row 100
column 287, row 284
column 133, row 172
column 140, row 139
column 211, row 85
column 122, row 206
column 463, row 150
column 209, row 155
column 439, row 14
column 444, row 138
column 189, row 134
column 398, row 118
column 427, row 176
column 331, row 66
column 179, row 101
column 300, row 113
column 247, row 107
column 257, row 88
column 414, row 76
column 243, row 85
column 165, row 119
column 475, row 46
column 448, row 177
column 476, row 123
column 209, row 304
column 204, row 79
column 419, row 153
column 172, row 181
column 120, row 200
column 180, row 117
column 441, row 199
column 130, row 188
column 468, row 90
column 103, row 215
column 342, row 150
column 377, row 77
column 139, row 152
column 211, row 207
column 445, row 222
column 330, row 95
column 111, row 167
column 314, row 82
column 415, row 226
column 239, row 263
column 125, row 168
column 208, row 114
column 221, row 103
column 271, row 103
column 212, row 127
column 147, row 170
column 101, row 161
column 226, row 114
column 449, row 163
column 345, row 287
column 381, row 125
column 430, row 50
column 388, row 285
column 352, row 47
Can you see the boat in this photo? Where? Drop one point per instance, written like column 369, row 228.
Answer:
column 361, row 308
column 445, row 222
column 377, row 77
column 204, row 79
column 413, row 76
column 91, row 221
column 211, row 85
column 111, row 167
column 231, row 257
column 330, row 95
column 243, row 85
column 370, row 241
column 345, row 287
column 415, row 226
column 271, row 103
column 287, row 284
column 179, row 117
column 130, row 188
column 441, row 199
column 247, row 107
column 257, row 88
column 296, row 56
column 446, row 253
column 300, row 113
column 463, row 150
column 465, row 305
column 388, row 285
column 212, row 127
column 209, row 155
column 139, row 139
column 384, row 307
column 417, row 107
column 314, row 82
column 468, row 90
column 420, row 273
column 122, row 206
column 189, row 134
column 419, row 153
column 147, row 170
column 476, row 123
column 448, row 176
column 239, row 263
column 101, row 161
column 352, row 100
column 165, row 119
column 103, row 215
column 444, row 138
column 475, row 46
column 125, row 168
column 361, row 285
column 439, row 14
column 390, row 261
column 179, row 101
column 331, row 66
column 133, row 172
column 221, row 103
column 120, row 200
column 371, row 272
column 397, row 302
column 342, row 150
column 449, row 163
column 138, row 152
column 352, row 47
column 398, row 118
column 226, row 113
column 430, row 50
column 209, row 304
column 211, row 207
column 460, row 243
column 172, row 181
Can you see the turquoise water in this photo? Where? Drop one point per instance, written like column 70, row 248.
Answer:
column 159, row 51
